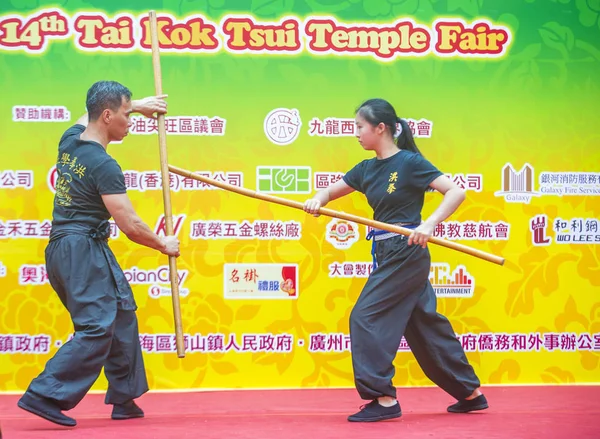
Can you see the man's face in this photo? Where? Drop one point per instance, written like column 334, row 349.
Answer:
column 119, row 122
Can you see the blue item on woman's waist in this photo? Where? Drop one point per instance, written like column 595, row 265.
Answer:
column 380, row 235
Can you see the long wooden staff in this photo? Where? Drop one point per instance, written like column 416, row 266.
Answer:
column 162, row 142
column 328, row 212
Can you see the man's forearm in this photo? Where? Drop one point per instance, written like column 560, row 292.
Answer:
column 136, row 105
column 141, row 234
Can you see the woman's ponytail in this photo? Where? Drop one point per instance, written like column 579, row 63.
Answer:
column 405, row 138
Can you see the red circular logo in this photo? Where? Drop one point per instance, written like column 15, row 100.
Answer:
column 155, row 291
column 52, row 177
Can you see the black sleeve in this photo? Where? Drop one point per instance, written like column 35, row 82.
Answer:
column 108, row 178
column 354, row 177
column 72, row 131
column 423, row 172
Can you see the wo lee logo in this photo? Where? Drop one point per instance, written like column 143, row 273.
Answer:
column 566, row 231
column 538, row 225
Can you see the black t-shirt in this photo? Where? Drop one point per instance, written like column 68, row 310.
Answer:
column 85, row 172
column 395, row 187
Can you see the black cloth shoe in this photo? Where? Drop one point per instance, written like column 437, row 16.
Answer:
column 373, row 412
column 469, row 405
column 128, row 410
column 46, row 409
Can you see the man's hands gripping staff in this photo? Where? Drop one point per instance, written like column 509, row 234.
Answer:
column 150, row 105
column 119, row 206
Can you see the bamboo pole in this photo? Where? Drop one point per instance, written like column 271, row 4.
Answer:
column 341, row 215
column 162, row 142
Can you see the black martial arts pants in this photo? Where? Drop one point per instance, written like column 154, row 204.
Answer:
column 398, row 300
column 82, row 272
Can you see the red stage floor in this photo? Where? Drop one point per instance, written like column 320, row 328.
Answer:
column 515, row 412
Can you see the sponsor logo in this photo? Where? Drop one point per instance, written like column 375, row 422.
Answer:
column 341, row 234
column 283, row 179
column 157, row 279
column 566, row 231
column 517, row 187
column 447, row 283
column 51, row 178
column 282, row 126
column 538, row 226
column 161, row 225
column 260, row 281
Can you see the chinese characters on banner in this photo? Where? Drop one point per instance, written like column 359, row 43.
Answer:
column 319, row 342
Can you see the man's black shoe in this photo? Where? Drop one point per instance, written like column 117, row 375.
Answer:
column 46, row 409
column 373, row 412
column 128, row 410
column 469, row 405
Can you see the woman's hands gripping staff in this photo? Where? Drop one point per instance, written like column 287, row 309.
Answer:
column 324, row 196
column 453, row 197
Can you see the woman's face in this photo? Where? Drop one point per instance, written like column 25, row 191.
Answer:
column 368, row 135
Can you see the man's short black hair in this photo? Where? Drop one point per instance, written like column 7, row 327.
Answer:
column 103, row 95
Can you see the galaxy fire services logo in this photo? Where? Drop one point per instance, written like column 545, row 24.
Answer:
column 341, row 234
column 282, row 126
column 517, row 187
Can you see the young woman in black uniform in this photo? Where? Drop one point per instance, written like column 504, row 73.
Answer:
column 398, row 299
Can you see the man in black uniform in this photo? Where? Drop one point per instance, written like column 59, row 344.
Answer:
column 83, row 270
